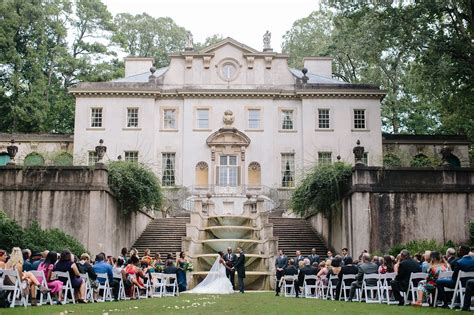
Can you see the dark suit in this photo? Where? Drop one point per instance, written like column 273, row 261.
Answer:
column 292, row 271
column 365, row 268
column 298, row 259
column 306, row 271
column 345, row 270
column 402, row 279
column 280, row 263
column 229, row 261
column 313, row 258
column 239, row 266
column 466, row 264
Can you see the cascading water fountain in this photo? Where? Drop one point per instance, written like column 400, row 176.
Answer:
column 211, row 231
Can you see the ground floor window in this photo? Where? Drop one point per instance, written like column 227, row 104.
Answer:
column 287, row 169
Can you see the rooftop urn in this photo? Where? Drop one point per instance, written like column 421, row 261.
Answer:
column 304, row 78
column 358, row 153
column 12, row 150
column 100, row 151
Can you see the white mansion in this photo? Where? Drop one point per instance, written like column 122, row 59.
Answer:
column 229, row 116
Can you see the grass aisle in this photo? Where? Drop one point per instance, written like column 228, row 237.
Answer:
column 248, row 303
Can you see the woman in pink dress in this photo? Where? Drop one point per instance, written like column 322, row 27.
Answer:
column 56, row 286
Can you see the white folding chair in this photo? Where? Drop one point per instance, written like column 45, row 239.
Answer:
column 121, row 291
column 289, row 285
column 105, row 287
column 157, row 284
column 171, row 285
column 40, row 276
column 308, row 288
column 371, row 288
column 332, row 284
column 459, row 288
column 89, row 291
column 442, row 275
column 386, row 288
column 67, row 287
column 322, row 287
column 15, row 289
column 147, row 289
column 415, row 278
column 346, row 282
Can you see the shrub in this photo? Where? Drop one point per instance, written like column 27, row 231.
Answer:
column 35, row 238
column 62, row 159
column 322, row 189
column 421, row 246
column 391, row 160
column 135, row 186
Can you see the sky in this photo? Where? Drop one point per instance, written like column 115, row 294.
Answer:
column 244, row 20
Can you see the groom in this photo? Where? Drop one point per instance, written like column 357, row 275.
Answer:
column 239, row 266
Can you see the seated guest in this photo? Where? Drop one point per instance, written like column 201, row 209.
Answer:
column 170, row 268
column 367, row 267
column 123, row 254
column 146, row 259
column 134, row 274
column 15, row 262
column 428, row 286
column 467, row 264
column 425, row 265
column 3, row 258
column 345, row 253
column 26, row 260
column 37, row 258
column 323, row 272
column 84, row 266
column 450, row 255
column 376, row 260
column 336, row 264
column 406, row 267
column 102, row 267
column 313, row 258
column 387, row 265
column 307, row 270
column 291, row 270
column 468, row 295
column 330, row 254
column 66, row 264
column 347, row 269
column 118, row 267
column 56, row 286
column 301, row 264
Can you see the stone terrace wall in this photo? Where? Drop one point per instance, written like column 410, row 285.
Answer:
column 75, row 199
column 391, row 206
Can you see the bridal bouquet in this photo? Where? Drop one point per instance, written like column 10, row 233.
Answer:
column 158, row 268
column 188, row 266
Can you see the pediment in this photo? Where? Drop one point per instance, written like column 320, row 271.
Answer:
column 229, row 41
column 228, row 136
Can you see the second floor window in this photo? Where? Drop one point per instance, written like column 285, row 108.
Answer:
column 131, row 156
column 254, row 118
column 132, row 117
column 169, row 119
column 92, row 158
column 202, row 118
column 323, row 118
column 287, row 122
column 359, row 119
column 96, row 117
column 168, row 169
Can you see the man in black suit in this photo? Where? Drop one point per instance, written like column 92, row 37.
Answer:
column 170, row 269
column 280, row 264
column 298, row 257
column 239, row 266
column 230, row 259
column 313, row 258
column 291, row 270
column 400, row 284
column 307, row 270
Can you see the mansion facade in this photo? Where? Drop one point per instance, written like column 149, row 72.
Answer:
column 228, row 116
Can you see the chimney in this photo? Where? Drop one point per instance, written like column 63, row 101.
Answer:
column 137, row 65
column 321, row 66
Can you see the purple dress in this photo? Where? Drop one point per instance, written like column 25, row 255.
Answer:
column 66, row 266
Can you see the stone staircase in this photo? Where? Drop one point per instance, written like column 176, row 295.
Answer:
column 162, row 236
column 297, row 234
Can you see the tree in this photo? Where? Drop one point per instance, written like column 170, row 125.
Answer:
column 146, row 36
column 210, row 40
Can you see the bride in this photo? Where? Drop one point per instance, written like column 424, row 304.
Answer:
column 216, row 281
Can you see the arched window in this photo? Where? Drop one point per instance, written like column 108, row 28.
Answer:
column 4, row 158
column 255, row 174
column 202, row 174
column 421, row 160
column 63, row 159
column 34, row 159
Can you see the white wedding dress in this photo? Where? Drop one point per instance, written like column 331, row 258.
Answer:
column 216, row 281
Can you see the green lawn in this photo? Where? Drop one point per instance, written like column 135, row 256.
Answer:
column 248, row 303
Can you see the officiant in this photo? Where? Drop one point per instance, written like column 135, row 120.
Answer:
column 230, row 259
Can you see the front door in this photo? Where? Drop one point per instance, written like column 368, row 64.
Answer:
column 227, row 173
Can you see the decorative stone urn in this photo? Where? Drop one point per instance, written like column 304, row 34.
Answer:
column 358, row 153
column 100, row 151
column 12, row 150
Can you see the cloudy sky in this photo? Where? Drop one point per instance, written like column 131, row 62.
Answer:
column 244, row 20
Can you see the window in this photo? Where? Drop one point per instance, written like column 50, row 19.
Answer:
column 359, row 119
column 365, row 158
column 96, row 117
column 287, row 170
column 168, row 170
column 228, row 71
column 132, row 117
column 202, row 118
column 93, row 158
column 254, row 118
column 169, row 119
column 287, row 119
column 323, row 118
column 131, row 156
column 324, row 158
column 228, row 171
